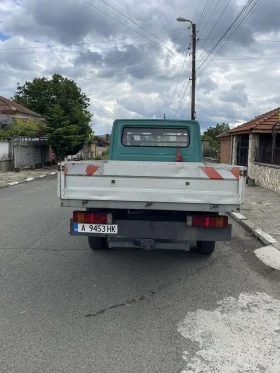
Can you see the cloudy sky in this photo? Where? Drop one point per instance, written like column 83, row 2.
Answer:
column 133, row 59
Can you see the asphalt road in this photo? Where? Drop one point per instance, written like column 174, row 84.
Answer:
column 65, row 308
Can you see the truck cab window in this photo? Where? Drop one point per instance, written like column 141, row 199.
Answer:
column 155, row 137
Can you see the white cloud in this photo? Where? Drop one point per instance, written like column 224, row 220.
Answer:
column 128, row 75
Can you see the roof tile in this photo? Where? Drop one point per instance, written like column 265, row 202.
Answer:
column 261, row 123
column 10, row 107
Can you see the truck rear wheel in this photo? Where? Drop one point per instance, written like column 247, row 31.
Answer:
column 97, row 243
column 205, row 247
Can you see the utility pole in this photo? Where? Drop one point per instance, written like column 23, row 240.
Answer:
column 193, row 78
column 193, row 113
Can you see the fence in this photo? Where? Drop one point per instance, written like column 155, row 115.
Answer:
column 24, row 152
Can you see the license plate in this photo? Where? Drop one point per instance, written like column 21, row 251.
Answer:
column 95, row 228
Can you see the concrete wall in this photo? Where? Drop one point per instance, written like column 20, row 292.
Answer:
column 30, row 152
column 24, row 153
column 225, row 150
column 6, row 165
column 26, row 156
column 267, row 176
column 4, row 149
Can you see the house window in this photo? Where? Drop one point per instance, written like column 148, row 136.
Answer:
column 242, row 150
column 266, row 153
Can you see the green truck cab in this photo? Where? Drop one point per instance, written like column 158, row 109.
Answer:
column 155, row 140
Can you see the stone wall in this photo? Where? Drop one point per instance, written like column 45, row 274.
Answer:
column 267, row 176
column 254, row 139
column 234, row 150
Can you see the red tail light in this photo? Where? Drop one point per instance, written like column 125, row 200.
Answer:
column 208, row 221
column 88, row 217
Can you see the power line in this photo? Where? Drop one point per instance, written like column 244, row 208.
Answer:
column 79, row 50
column 196, row 11
column 216, row 23
column 128, row 72
column 131, row 20
column 183, row 97
column 205, row 12
column 68, row 51
column 85, row 42
column 236, row 28
column 232, row 25
column 123, row 24
column 180, row 76
column 246, row 58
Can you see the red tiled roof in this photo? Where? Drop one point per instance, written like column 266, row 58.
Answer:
column 224, row 134
column 10, row 107
column 262, row 123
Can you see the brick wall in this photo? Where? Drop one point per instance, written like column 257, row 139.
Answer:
column 225, row 150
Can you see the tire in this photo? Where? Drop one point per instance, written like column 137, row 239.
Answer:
column 205, row 247
column 97, row 243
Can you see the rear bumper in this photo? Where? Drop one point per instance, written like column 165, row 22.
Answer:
column 162, row 230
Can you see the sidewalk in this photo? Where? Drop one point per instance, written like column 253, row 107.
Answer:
column 260, row 215
column 8, row 179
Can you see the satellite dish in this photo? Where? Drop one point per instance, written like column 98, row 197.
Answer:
column 6, row 122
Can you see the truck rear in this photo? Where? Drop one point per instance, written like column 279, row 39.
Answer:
column 154, row 192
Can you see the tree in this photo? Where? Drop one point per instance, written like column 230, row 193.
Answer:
column 21, row 127
column 211, row 134
column 64, row 107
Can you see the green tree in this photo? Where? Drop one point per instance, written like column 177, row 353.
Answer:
column 29, row 128
column 211, row 134
column 65, row 137
column 64, row 107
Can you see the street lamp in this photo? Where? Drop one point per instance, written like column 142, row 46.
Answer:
column 180, row 19
column 193, row 78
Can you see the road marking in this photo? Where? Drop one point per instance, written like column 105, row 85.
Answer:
column 43, row 175
column 240, row 335
column 29, row 179
column 270, row 256
column 13, row 183
column 52, row 173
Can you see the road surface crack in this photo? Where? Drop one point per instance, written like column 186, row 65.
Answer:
column 150, row 293
column 131, row 301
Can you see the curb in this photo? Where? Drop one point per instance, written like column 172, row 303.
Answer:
column 27, row 180
column 264, row 237
column 270, row 253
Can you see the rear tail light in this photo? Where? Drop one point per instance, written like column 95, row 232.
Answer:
column 88, row 217
column 207, row 221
